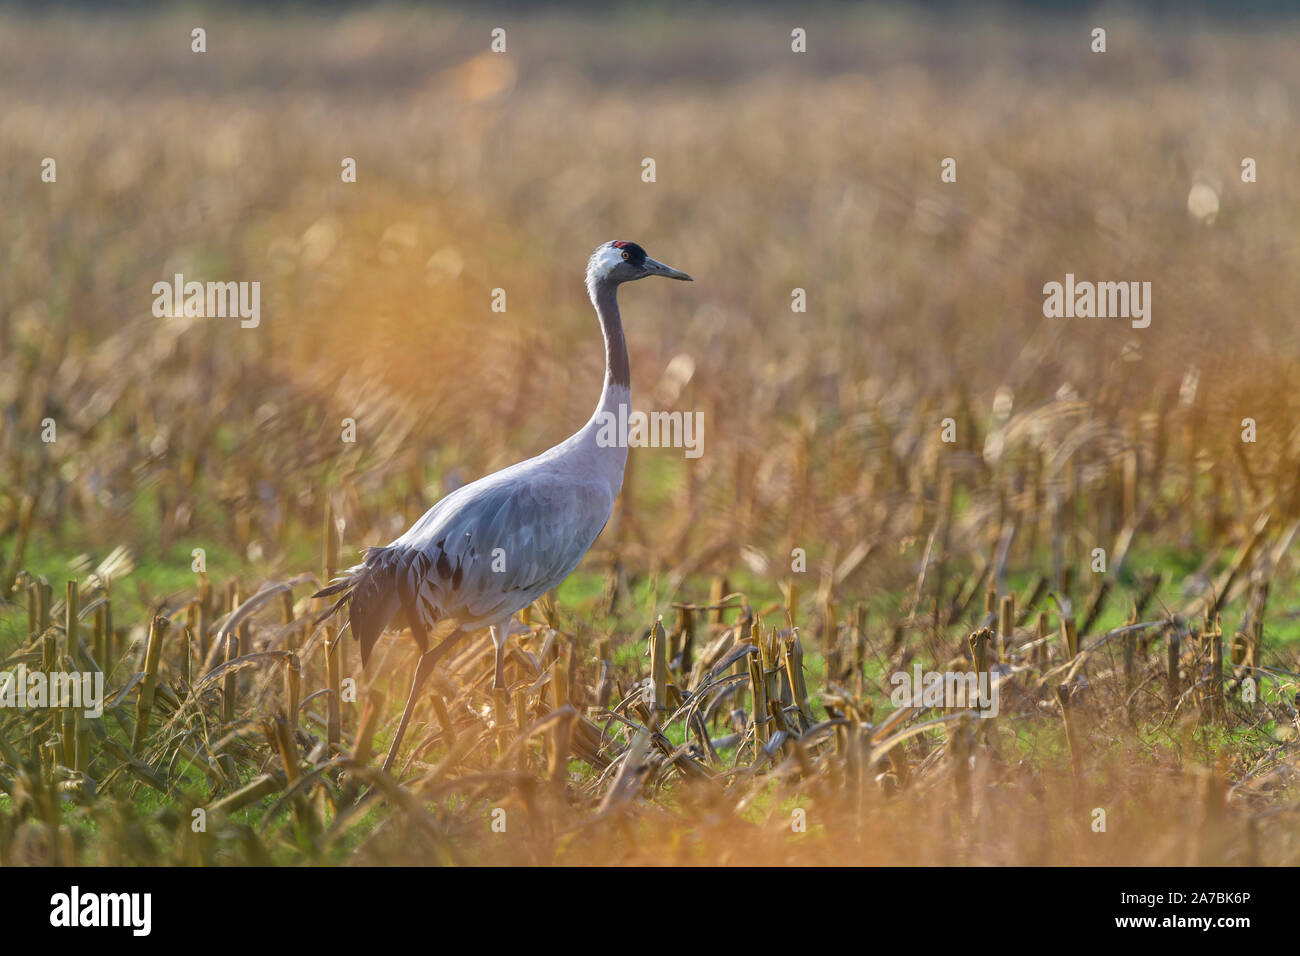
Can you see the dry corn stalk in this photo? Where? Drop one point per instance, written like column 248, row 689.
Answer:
column 148, row 686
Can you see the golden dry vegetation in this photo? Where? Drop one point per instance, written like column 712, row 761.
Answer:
column 775, row 171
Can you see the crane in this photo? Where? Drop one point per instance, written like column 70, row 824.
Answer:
column 492, row 547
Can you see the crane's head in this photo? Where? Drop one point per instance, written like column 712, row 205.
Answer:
column 619, row 261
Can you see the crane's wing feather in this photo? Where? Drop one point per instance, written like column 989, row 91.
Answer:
column 494, row 546
column 478, row 555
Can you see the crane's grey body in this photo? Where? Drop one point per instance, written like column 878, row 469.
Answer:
column 492, row 547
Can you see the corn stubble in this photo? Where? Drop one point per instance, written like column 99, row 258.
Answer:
column 712, row 756
column 710, row 706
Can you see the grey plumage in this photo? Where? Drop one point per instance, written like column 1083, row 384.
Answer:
column 480, row 554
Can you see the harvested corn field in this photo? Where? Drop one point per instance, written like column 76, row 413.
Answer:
column 933, row 565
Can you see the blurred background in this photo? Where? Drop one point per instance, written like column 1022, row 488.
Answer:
column 775, row 170
column 477, row 171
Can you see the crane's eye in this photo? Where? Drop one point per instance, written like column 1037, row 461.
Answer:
column 627, row 255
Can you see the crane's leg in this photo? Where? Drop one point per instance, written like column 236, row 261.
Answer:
column 499, row 633
column 428, row 661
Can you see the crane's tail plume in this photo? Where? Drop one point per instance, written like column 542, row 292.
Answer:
column 344, row 584
column 370, row 593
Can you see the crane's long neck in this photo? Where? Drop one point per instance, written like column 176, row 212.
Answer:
column 602, row 442
column 618, row 377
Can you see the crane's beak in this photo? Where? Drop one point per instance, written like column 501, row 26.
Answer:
column 655, row 268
